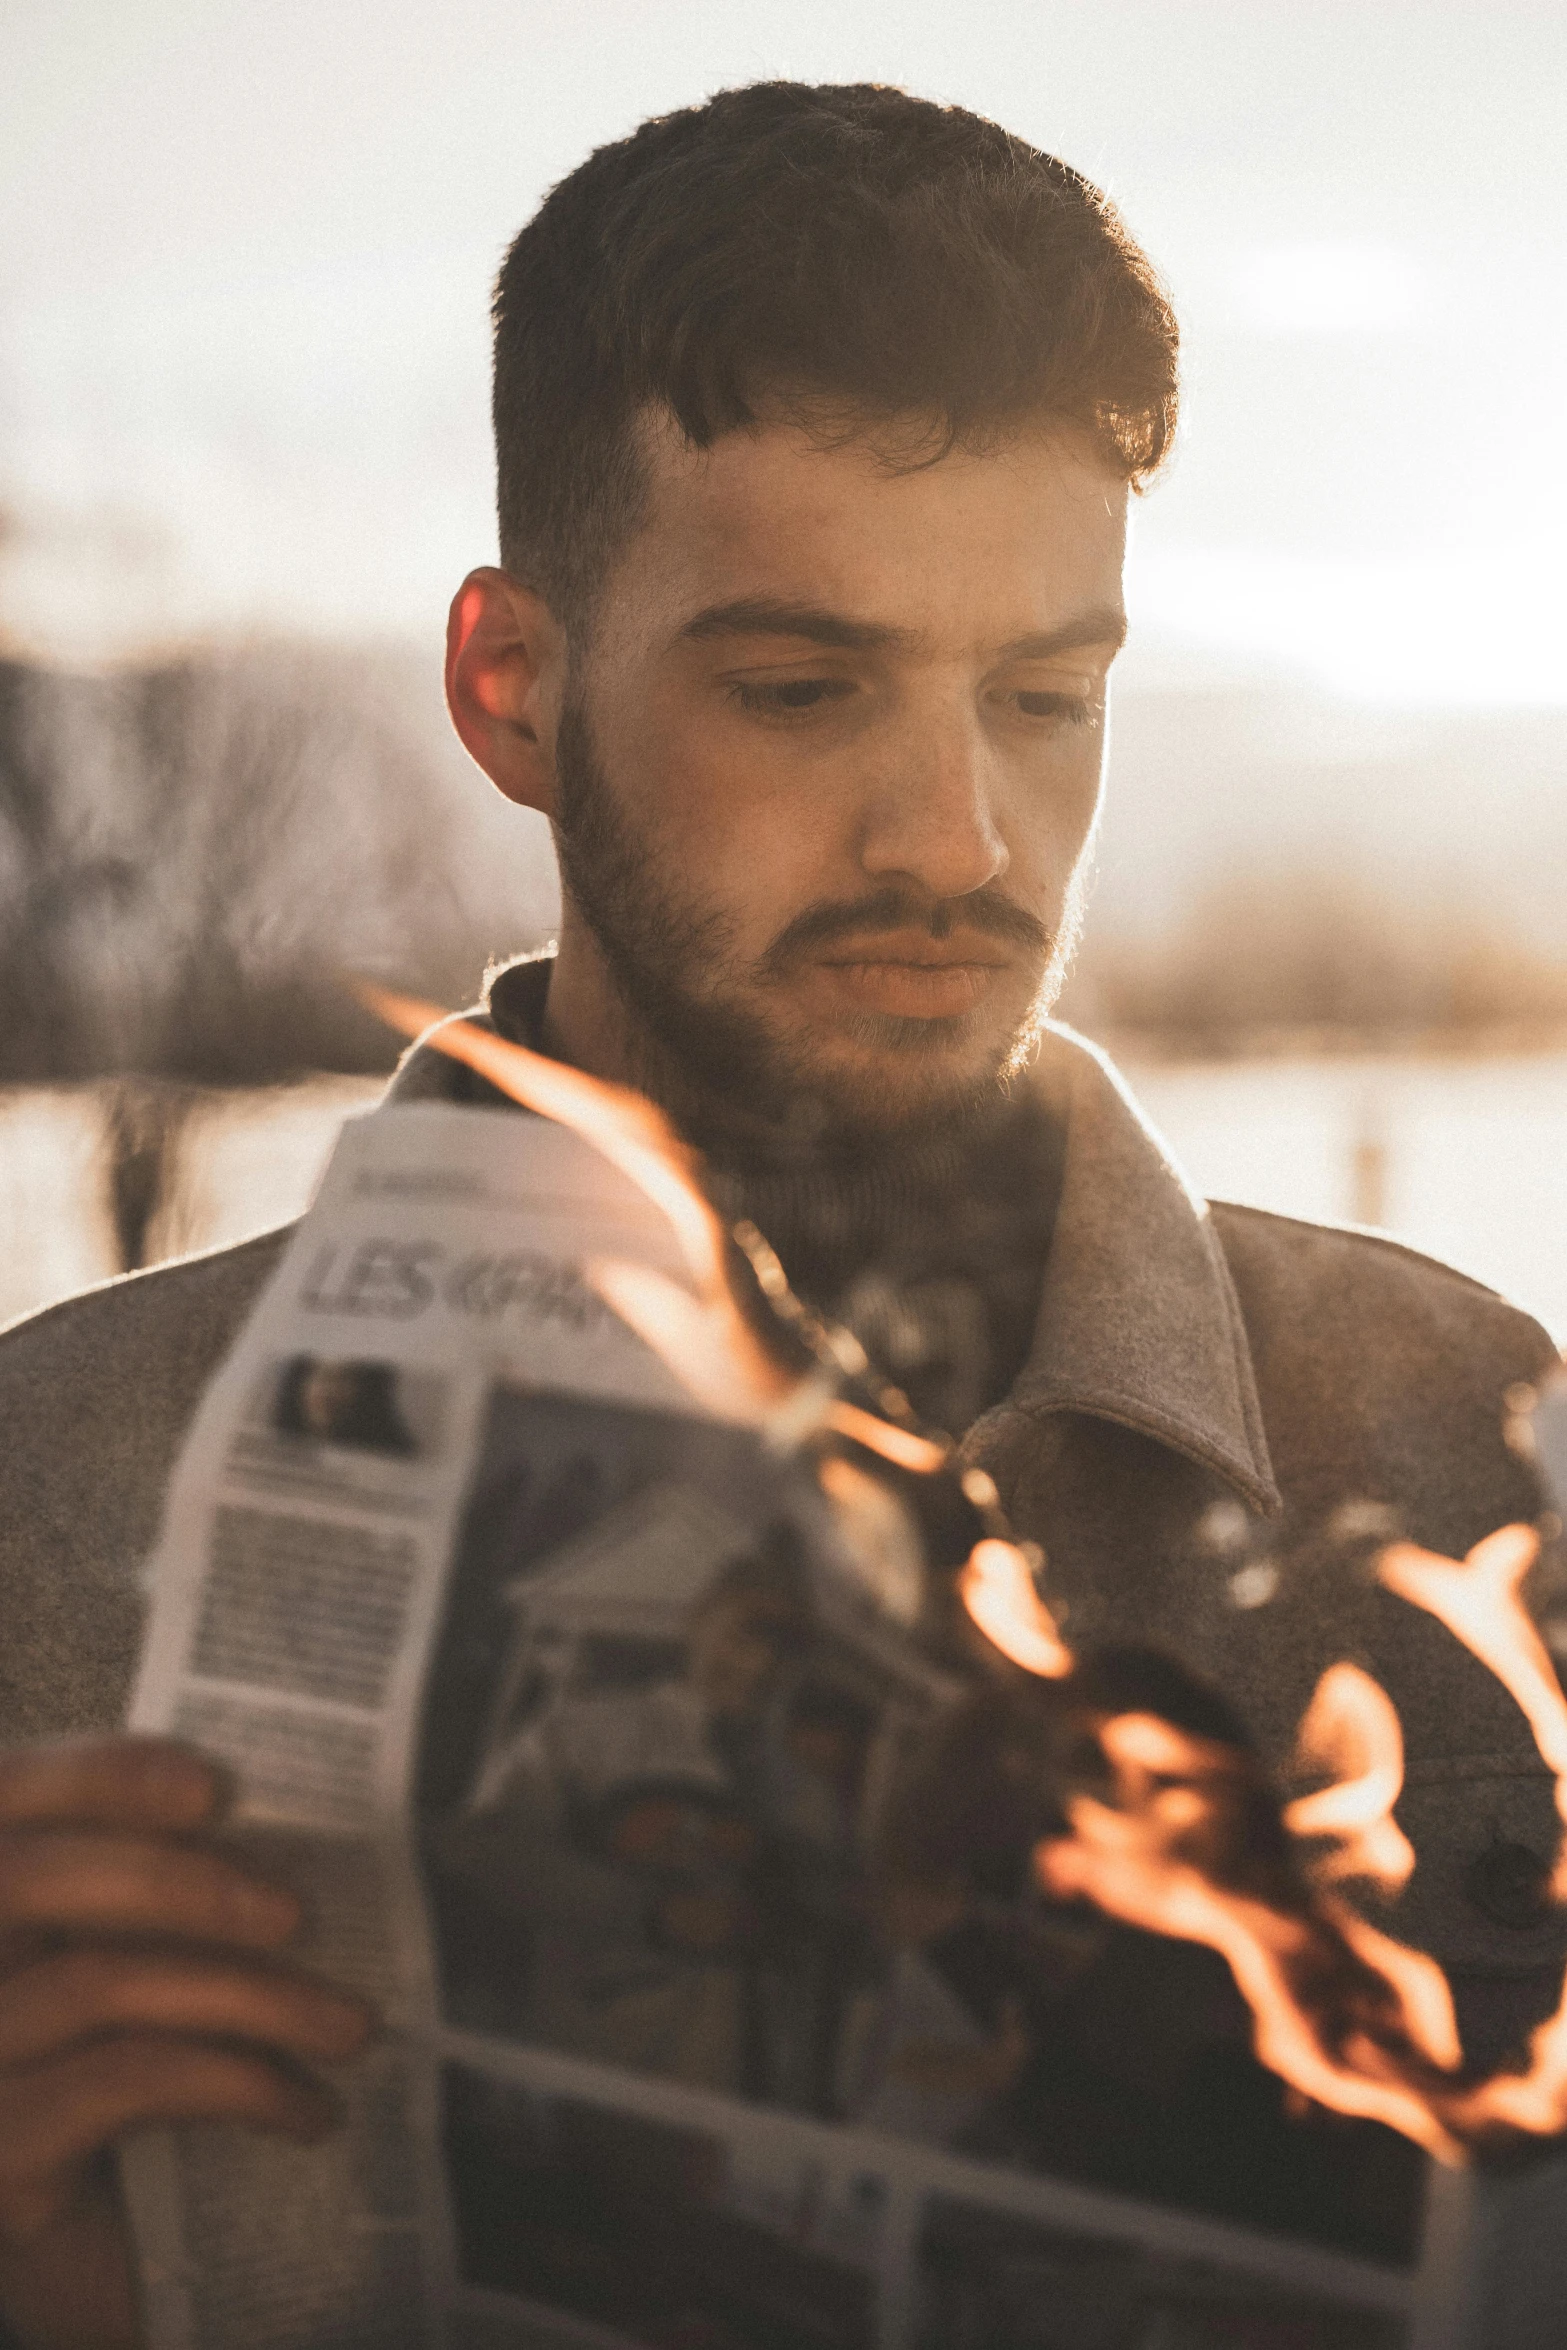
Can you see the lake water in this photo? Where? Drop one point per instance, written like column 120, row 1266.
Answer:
column 1465, row 1159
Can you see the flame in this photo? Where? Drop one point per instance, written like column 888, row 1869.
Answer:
column 1480, row 1600
column 1149, row 1858
column 997, row 1588
column 901, row 1446
column 1351, row 1727
column 1534, row 2100
column 702, row 1339
column 1346, row 2016
column 626, row 1127
column 700, row 1332
column 1422, row 1988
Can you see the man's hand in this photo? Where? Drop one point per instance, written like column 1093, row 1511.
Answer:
column 139, row 1983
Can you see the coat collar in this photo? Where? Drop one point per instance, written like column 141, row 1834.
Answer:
column 1138, row 1321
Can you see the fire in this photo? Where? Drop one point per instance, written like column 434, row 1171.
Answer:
column 1351, row 1727
column 633, row 1135
column 902, row 1446
column 1348, row 2017
column 1480, row 1600
column 1335, row 2004
column 997, row 1588
column 701, row 1332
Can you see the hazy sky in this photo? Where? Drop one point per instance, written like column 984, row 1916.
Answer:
column 247, row 249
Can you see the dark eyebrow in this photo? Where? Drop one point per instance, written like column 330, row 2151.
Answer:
column 759, row 616
column 1105, row 625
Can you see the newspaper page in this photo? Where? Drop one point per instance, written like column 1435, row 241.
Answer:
column 570, row 1714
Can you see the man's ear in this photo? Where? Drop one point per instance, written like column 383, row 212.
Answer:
column 505, row 674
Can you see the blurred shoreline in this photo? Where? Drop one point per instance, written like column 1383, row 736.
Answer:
column 1457, row 1151
column 1503, row 1040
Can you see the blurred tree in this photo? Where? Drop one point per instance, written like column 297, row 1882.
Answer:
column 191, row 854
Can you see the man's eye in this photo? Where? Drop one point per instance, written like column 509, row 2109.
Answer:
column 790, row 693
column 1072, row 707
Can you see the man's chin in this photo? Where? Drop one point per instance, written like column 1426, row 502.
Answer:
column 747, row 1077
column 887, row 1080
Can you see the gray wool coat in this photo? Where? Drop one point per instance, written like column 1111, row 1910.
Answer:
column 1214, row 1397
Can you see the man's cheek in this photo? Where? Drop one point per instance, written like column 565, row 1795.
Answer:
column 763, row 881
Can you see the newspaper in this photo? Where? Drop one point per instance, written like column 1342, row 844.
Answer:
column 568, row 1710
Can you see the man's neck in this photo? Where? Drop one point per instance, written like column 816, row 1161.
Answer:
column 586, row 1021
column 590, row 1021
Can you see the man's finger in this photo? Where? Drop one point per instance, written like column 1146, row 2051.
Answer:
column 72, row 1880
column 89, row 1994
column 53, row 2116
column 148, row 1783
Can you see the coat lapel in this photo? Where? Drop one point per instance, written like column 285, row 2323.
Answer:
column 1138, row 1319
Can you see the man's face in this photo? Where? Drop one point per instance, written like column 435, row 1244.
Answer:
column 828, row 770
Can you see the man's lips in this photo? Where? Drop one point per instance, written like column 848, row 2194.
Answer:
column 913, row 976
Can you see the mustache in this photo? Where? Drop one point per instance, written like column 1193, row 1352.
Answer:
column 985, row 911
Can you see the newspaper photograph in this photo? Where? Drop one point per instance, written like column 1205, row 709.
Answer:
column 600, row 1748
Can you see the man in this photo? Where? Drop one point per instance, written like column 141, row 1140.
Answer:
column 817, row 413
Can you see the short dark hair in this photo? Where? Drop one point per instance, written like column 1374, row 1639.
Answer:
column 841, row 244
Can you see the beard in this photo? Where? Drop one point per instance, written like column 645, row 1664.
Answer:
column 698, row 1036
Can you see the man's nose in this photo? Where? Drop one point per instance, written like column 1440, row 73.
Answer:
column 930, row 816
